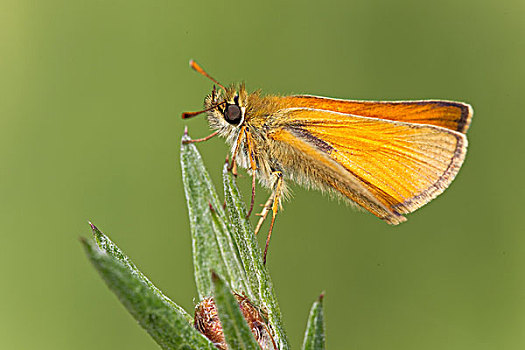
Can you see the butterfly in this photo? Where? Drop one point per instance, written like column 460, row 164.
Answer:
column 388, row 157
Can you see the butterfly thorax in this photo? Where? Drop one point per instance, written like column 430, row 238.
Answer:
column 258, row 116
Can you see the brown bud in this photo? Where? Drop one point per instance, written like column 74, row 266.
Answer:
column 207, row 322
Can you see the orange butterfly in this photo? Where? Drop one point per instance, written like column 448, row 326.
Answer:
column 390, row 158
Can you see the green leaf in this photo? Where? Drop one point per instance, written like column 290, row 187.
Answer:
column 314, row 338
column 213, row 246
column 226, row 244
column 229, row 252
column 110, row 248
column 259, row 281
column 236, row 331
column 167, row 325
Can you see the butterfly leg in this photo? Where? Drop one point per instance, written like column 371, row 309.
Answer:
column 253, row 167
column 240, row 138
column 273, row 205
column 199, row 140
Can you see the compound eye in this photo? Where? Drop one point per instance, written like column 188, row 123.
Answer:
column 233, row 114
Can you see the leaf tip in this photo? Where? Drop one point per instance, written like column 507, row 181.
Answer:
column 321, row 296
column 185, row 140
column 93, row 227
column 88, row 247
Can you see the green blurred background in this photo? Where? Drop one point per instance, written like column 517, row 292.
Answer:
column 90, row 99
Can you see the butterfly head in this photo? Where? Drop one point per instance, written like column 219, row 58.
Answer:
column 226, row 109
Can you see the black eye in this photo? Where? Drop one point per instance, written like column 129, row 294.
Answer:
column 233, row 114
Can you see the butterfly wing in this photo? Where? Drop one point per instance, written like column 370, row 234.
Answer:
column 447, row 114
column 401, row 165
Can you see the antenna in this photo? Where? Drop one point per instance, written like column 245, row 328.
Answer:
column 187, row 115
column 199, row 69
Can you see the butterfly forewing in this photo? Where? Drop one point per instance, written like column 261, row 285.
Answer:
column 447, row 114
column 403, row 165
